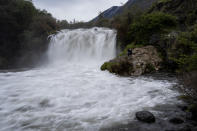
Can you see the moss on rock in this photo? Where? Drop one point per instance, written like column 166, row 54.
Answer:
column 143, row 60
column 119, row 66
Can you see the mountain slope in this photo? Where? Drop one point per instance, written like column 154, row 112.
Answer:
column 133, row 5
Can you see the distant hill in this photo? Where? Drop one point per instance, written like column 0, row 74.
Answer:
column 130, row 5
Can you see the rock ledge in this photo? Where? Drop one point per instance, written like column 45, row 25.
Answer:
column 143, row 60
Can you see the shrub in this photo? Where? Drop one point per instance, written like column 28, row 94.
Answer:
column 149, row 24
column 184, row 51
column 164, row 1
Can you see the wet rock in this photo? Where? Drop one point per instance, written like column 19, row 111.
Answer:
column 189, row 116
column 176, row 120
column 185, row 128
column 195, row 129
column 145, row 116
column 183, row 107
column 143, row 60
column 194, row 123
column 189, row 79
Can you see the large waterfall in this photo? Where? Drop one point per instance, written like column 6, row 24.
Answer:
column 72, row 93
column 96, row 44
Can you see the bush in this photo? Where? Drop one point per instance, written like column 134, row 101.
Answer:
column 149, row 24
column 184, row 51
column 164, row 1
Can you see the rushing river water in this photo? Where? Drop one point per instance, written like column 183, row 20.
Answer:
column 71, row 93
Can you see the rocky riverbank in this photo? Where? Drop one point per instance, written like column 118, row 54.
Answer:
column 161, row 118
column 143, row 60
column 180, row 117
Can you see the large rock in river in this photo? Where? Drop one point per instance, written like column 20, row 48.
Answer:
column 143, row 60
column 145, row 116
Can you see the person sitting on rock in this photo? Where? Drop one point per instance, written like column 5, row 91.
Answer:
column 129, row 52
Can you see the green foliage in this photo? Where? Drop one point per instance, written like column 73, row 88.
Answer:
column 24, row 30
column 121, row 67
column 63, row 24
column 164, row 1
column 193, row 34
column 109, row 66
column 147, row 25
column 191, row 18
column 104, row 66
column 192, row 62
column 130, row 46
column 102, row 22
column 184, row 51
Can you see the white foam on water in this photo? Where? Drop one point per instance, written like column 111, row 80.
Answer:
column 71, row 93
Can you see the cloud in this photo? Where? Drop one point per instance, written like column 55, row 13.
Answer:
column 81, row 10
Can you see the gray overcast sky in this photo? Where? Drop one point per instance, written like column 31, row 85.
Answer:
column 80, row 10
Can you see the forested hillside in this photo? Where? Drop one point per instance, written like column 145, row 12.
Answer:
column 24, row 31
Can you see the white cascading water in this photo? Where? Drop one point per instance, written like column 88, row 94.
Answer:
column 72, row 94
column 83, row 45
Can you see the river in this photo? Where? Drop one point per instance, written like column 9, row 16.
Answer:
column 70, row 92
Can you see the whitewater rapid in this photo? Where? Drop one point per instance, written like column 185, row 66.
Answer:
column 71, row 93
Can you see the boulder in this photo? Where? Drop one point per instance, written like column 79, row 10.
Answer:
column 176, row 120
column 145, row 116
column 143, row 60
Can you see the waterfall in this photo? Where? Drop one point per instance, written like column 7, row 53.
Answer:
column 95, row 44
column 68, row 95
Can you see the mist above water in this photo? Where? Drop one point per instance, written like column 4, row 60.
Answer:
column 71, row 93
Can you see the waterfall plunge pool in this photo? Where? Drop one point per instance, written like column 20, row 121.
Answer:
column 71, row 93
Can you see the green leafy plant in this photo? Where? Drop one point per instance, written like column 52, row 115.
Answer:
column 184, row 51
column 147, row 25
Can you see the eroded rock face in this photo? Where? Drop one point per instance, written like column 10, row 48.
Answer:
column 143, row 60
